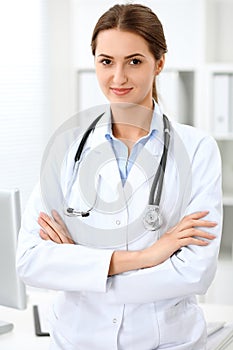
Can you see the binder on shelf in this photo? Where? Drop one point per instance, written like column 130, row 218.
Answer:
column 176, row 94
column 168, row 85
column 220, row 336
column 231, row 104
column 221, row 103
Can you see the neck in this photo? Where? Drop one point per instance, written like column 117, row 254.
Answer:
column 131, row 122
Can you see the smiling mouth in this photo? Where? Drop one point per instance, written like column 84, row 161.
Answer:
column 121, row 92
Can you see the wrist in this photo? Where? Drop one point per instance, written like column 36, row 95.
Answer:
column 146, row 258
column 124, row 261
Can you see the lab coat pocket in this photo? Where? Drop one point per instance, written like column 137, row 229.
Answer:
column 183, row 323
column 62, row 320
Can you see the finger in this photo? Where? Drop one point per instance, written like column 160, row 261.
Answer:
column 204, row 223
column 52, row 225
column 193, row 241
column 194, row 224
column 53, row 229
column 197, row 215
column 46, row 226
column 188, row 223
column 51, row 235
column 58, row 219
column 44, row 235
column 196, row 232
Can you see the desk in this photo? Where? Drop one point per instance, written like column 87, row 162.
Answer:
column 23, row 335
column 218, row 313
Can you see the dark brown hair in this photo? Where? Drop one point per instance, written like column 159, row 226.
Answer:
column 138, row 19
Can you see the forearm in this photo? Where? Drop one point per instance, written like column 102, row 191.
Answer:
column 171, row 279
column 183, row 234
column 66, row 267
column 124, row 260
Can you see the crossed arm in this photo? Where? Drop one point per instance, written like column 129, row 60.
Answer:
column 188, row 231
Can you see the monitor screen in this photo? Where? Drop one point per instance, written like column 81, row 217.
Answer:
column 12, row 289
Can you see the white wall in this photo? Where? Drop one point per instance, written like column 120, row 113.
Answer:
column 182, row 22
column 60, row 63
column 23, row 93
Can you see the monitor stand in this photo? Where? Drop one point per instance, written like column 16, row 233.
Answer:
column 5, row 327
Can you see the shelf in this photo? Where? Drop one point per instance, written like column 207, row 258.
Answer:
column 227, row 238
column 225, row 257
column 224, row 137
column 228, row 200
column 219, row 68
column 219, row 25
column 176, row 94
column 226, row 148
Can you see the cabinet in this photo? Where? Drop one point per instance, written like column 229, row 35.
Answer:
column 207, row 88
column 199, row 90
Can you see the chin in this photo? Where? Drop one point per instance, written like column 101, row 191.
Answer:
column 123, row 104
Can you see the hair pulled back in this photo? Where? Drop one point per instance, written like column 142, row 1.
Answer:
column 138, row 19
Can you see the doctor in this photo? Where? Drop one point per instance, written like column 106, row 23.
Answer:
column 135, row 285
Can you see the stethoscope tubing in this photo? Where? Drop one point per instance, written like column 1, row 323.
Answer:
column 159, row 176
column 158, row 179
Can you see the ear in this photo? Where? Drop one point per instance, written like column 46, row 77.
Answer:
column 159, row 65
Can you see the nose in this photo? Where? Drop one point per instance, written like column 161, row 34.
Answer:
column 119, row 75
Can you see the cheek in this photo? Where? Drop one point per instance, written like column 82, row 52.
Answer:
column 102, row 78
column 102, row 81
column 147, row 83
column 145, row 77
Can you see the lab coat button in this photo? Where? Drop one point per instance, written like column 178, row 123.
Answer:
column 118, row 222
column 114, row 320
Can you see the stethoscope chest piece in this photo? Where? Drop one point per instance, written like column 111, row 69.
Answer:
column 152, row 219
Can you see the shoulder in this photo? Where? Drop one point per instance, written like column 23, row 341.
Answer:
column 195, row 144
column 187, row 131
column 192, row 137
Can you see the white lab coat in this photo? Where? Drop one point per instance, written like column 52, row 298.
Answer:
column 153, row 308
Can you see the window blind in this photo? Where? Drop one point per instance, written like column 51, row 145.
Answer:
column 23, row 93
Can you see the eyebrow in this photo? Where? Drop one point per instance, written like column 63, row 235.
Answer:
column 126, row 57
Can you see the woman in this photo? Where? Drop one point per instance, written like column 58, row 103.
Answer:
column 134, row 287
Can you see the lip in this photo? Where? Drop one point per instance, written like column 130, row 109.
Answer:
column 121, row 92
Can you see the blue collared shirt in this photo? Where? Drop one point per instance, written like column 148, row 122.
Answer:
column 124, row 161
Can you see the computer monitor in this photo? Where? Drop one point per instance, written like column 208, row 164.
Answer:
column 12, row 289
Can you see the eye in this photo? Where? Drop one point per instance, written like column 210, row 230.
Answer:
column 135, row 61
column 106, row 61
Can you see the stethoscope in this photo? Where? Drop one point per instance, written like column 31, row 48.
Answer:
column 152, row 219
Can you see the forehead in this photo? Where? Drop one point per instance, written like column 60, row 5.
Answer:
column 117, row 42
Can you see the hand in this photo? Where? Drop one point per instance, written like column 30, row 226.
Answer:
column 186, row 232
column 53, row 228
